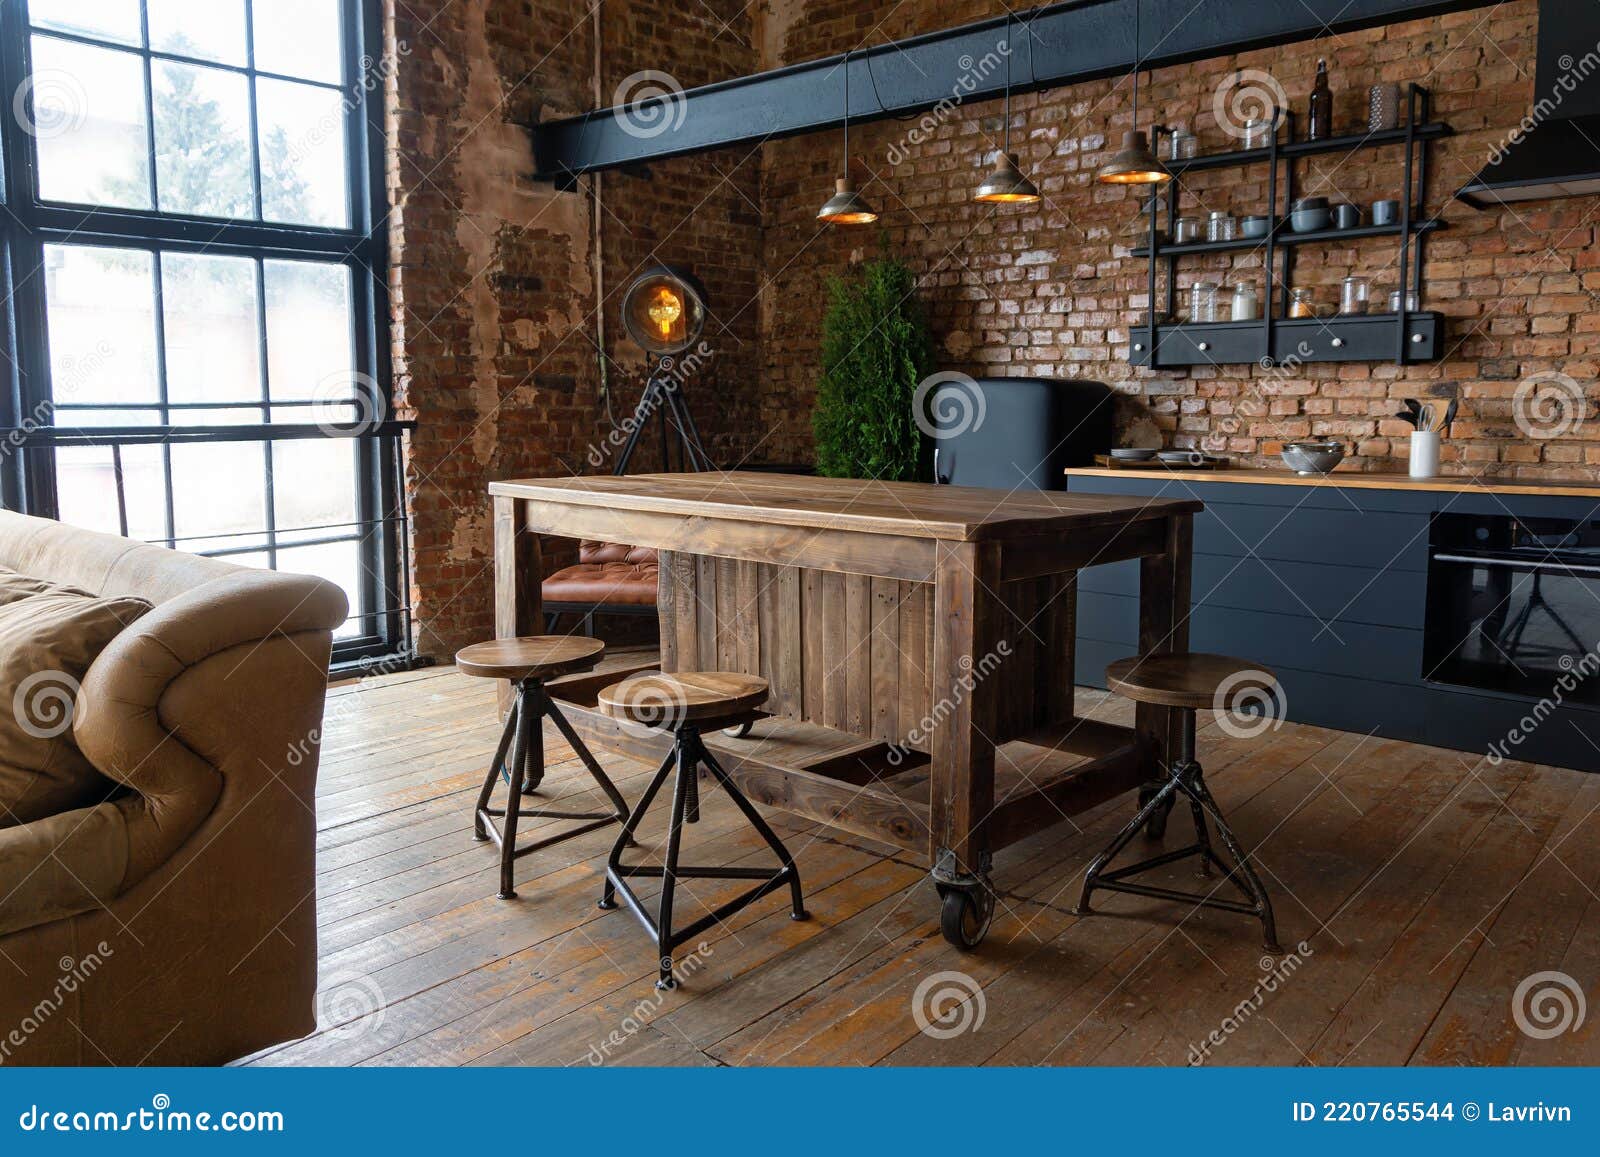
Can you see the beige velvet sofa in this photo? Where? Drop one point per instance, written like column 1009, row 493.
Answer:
column 175, row 922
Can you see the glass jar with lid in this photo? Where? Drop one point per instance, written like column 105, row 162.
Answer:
column 1258, row 132
column 1203, row 301
column 1220, row 226
column 1246, row 303
column 1353, row 296
column 1183, row 145
column 1301, row 304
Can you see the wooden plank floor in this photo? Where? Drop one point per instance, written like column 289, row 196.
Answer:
column 1423, row 886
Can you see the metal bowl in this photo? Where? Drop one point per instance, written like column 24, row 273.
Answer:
column 1318, row 456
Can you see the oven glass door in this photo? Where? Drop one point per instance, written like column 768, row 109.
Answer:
column 1500, row 622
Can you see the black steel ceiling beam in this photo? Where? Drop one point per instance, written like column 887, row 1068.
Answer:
column 1054, row 45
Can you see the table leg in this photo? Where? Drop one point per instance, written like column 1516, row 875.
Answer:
column 1164, row 581
column 518, row 610
column 966, row 629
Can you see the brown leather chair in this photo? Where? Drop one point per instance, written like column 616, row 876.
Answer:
column 609, row 578
column 175, row 922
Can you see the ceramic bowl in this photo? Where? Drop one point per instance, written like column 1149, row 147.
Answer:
column 1318, row 456
column 1254, row 226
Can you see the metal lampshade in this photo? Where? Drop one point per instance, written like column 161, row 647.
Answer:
column 664, row 310
column 846, row 206
column 1007, row 183
column 1134, row 164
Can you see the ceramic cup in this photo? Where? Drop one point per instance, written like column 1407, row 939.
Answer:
column 1424, row 453
column 1385, row 212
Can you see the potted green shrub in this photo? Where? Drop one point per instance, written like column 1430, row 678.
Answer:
column 875, row 349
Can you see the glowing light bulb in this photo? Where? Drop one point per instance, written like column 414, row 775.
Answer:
column 665, row 309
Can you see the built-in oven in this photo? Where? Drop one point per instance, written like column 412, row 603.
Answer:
column 1514, row 605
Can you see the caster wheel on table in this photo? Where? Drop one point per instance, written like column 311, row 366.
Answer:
column 965, row 916
column 738, row 731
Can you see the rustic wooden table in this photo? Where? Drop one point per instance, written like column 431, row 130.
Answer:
column 918, row 639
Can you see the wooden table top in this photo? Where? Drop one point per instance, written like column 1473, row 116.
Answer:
column 916, row 509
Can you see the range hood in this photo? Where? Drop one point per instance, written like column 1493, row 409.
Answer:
column 1555, row 150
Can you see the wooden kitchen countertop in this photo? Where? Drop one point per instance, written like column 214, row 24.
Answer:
column 1355, row 479
column 914, row 509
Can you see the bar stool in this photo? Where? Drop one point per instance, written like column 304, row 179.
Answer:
column 1187, row 683
column 528, row 663
column 684, row 704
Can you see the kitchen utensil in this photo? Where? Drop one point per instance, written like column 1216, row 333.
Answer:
column 1309, row 215
column 1182, row 457
column 1450, row 415
column 1411, row 413
column 1425, row 418
column 1132, row 454
column 1383, row 107
column 1385, row 212
column 1424, row 453
column 1246, row 303
column 1313, row 456
column 1353, row 296
column 1255, row 225
column 1346, row 216
column 1203, row 301
column 1220, row 226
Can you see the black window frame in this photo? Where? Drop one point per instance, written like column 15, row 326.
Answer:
column 29, row 224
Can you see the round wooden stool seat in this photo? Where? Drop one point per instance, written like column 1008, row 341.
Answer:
column 659, row 699
column 1190, row 679
column 539, row 657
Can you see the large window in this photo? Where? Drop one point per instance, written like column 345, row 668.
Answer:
column 194, row 266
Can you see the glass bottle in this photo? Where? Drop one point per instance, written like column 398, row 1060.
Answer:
column 1319, row 114
column 1246, row 304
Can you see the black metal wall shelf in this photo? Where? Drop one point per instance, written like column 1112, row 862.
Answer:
column 1285, row 237
column 1404, row 337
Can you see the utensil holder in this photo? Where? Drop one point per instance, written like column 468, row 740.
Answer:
column 1424, row 453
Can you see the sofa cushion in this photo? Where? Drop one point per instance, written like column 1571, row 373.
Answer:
column 14, row 586
column 47, row 642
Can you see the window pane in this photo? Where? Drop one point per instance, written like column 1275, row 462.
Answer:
column 202, row 140
column 100, row 309
column 300, row 38
column 89, row 122
column 339, row 563
column 208, row 29
column 86, row 489
column 219, row 489
column 208, row 307
column 302, row 154
column 313, row 479
column 310, row 351
column 101, row 19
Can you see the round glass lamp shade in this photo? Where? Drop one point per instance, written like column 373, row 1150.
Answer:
column 664, row 310
column 1134, row 164
column 846, row 206
column 1007, row 184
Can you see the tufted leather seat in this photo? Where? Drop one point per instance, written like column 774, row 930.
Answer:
column 607, row 574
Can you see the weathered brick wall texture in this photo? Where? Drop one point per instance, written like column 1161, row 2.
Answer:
column 495, row 337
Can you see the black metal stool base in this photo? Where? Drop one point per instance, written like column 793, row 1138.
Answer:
column 1186, row 779
column 523, row 740
column 688, row 753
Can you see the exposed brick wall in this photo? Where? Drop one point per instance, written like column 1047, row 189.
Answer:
column 1042, row 290
column 494, row 290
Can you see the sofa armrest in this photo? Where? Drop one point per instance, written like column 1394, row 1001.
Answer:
column 129, row 725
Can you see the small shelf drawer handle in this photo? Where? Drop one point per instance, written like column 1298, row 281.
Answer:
column 1205, row 345
column 1417, row 339
column 1138, row 346
column 1338, row 343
